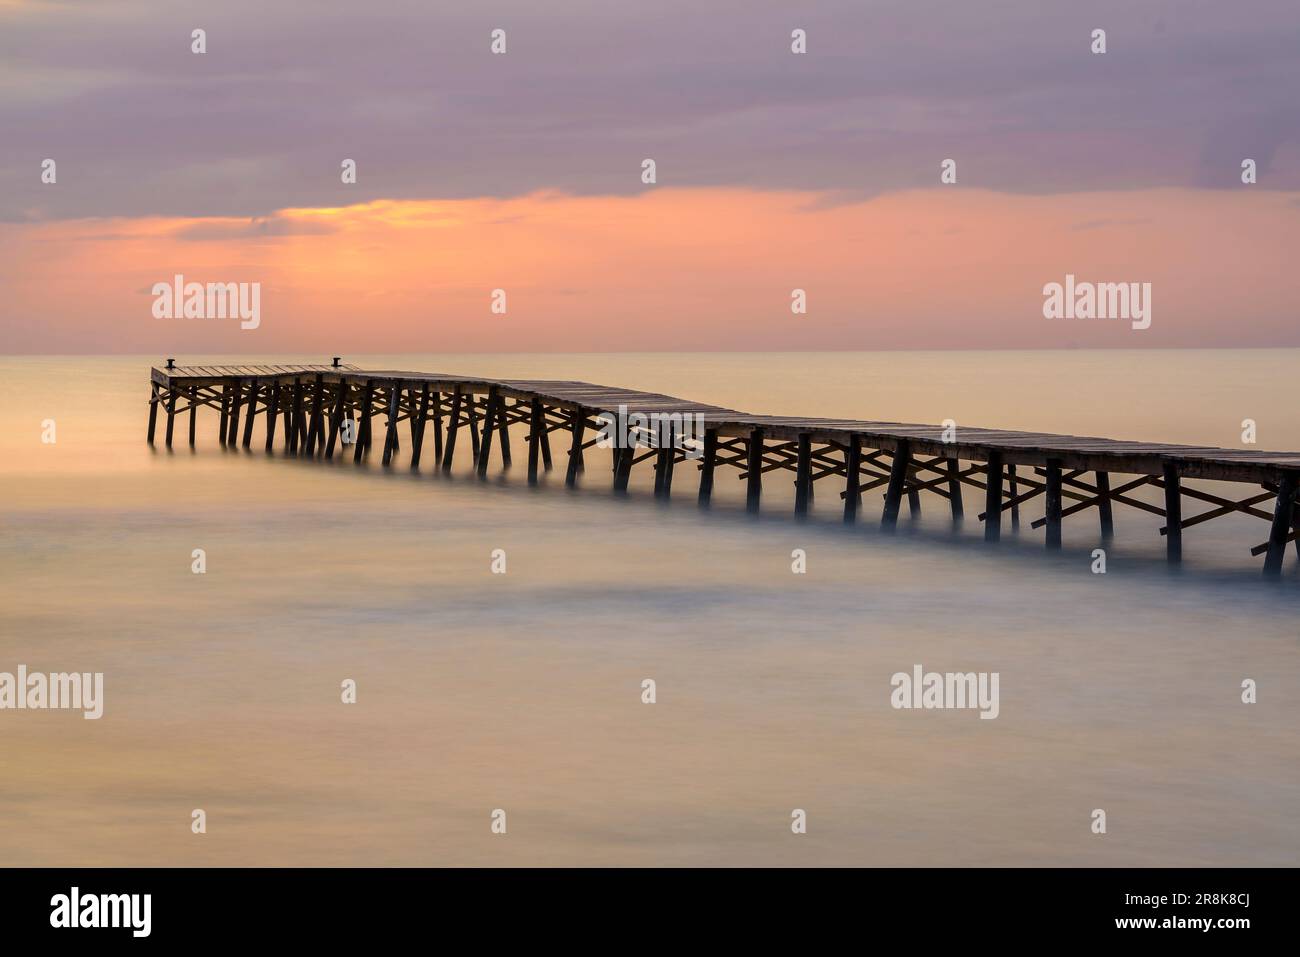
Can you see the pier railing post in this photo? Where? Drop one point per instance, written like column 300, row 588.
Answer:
column 754, row 471
column 1173, row 514
column 1053, row 504
column 993, row 497
column 1281, row 523
column 897, row 481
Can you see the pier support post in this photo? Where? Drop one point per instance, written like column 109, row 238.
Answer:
column 194, row 411
column 1103, row 506
column 453, row 426
column 436, row 396
column 993, row 497
column 954, row 490
column 254, row 387
column 803, row 475
column 171, row 413
column 664, row 463
column 577, row 430
column 535, row 426
column 1013, row 488
column 707, row 466
column 852, row 479
column 897, row 481
column 271, row 414
column 546, row 442
column 473, row 426
column 296, row 437
column 1053, row 500
column 361, row 441
column 503, row 433
column 336, row 418
column 417, row 430
column 489, row 426
column 754, row 468
column 236, row 402
column 1281, row 523
column 1173, row 514
column 153, row 411
column 390, row 433
column 316, row 430
column 623, row 456
column 225, row 412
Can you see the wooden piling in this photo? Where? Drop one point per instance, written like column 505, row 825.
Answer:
column 665, row 460
column 490, row 416
column 546, row 442
column 361, row 438
column 1281, row 522
column 852, row 479
column 171, row 414
column 236, row 402
column 1173, row 514
column 623, row 456
column 803, row 475
column 153, row 412
column 577, row 430
column 535, row 426
column 316, row 430
column 993, row 497
column 708, row 465
column 1013, row 489
column 225, row 412
column 417, row 434
column 254, row 387
column 336, row 418
column 954, row 490
column 1103, row 506
column 1053, row 504
column 453, row 426
column 754, row 470
column 390, row 433
column 194, row 411
column 271, row 414
column 503, row 433
column 897, row 481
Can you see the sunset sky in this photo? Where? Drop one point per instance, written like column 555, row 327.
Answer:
column 522, row 172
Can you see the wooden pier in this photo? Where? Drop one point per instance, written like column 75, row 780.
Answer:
column 318, row 407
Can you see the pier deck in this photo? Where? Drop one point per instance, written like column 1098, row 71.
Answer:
column 325, row 407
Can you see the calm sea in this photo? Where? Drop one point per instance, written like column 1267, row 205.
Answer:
column 522, row 691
